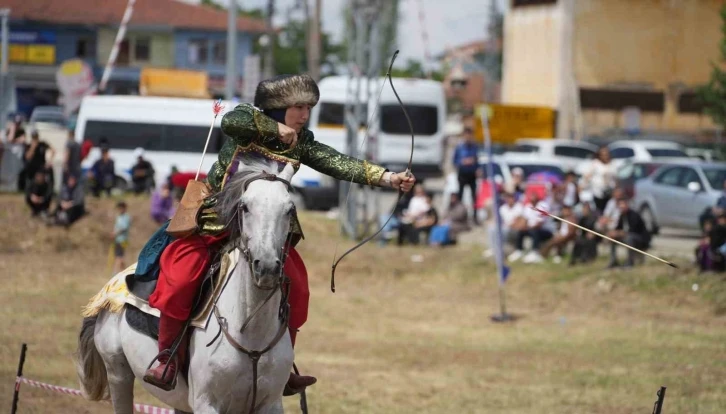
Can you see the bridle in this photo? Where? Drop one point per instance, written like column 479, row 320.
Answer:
column 282, row 283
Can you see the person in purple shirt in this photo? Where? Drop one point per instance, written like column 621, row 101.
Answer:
column 466, row 161
column 162, row 204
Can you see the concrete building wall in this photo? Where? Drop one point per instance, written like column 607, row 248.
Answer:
column 532, row 50
column 663, row 46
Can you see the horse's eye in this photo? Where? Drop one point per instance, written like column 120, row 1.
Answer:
column 245, row 209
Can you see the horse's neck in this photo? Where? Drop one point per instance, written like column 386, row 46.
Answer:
column 240, row 298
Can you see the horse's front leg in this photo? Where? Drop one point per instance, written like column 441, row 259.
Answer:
column 274, row 408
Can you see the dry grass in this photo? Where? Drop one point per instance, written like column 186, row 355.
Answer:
column 403, row 337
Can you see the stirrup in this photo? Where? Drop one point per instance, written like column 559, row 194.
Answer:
column 166, row 386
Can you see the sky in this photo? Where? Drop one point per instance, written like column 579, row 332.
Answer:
column 448, row 22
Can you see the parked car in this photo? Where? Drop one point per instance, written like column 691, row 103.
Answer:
column 646, row 150
column 52, row 115
column 702, row 154
column 676, row 195
column 567, row 153
column 634, row 171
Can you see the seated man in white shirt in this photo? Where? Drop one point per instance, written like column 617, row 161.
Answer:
column 538, row 226
column 611, row 213
column 509, row 212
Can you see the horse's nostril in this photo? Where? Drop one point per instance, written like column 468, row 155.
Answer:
column 256, row 263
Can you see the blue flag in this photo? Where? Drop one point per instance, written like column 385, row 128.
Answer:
column 498, row 247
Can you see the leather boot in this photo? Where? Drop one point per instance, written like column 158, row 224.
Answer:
column 169, row 330
column 297, row 384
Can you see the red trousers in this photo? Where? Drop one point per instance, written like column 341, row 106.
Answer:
column 184, row 263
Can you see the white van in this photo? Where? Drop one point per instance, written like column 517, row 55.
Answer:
column 389, row 141
column 172, row 132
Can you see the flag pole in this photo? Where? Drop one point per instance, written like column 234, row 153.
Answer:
column 502, row 270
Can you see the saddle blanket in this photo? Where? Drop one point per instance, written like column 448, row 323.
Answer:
column 115, row 294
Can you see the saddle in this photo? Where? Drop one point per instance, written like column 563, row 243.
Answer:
column 145, row 319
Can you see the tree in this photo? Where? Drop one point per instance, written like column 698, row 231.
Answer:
column 713, row 94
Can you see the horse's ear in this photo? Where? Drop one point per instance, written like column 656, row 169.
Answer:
column 287, row 172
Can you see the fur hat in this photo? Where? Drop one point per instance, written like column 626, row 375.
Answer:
column 285, row 91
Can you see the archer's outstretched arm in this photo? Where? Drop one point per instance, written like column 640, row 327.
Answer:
column 328, row 161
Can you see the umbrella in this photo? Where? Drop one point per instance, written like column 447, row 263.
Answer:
column 545, row 177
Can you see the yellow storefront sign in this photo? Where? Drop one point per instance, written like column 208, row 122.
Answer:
column 173, row 82
column 32, row 54
column 507, row 123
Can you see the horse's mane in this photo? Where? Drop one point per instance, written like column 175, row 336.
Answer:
column 229, row 197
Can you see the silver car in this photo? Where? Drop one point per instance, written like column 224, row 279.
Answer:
column 676, row 194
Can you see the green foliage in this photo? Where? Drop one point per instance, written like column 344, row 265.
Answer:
column 713, row 94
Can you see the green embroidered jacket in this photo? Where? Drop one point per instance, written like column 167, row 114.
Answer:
column 251, row 130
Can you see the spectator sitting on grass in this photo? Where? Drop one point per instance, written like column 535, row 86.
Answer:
column 142, row 173
column 102, row 174
column 453, row 223
column 539, row 228
column 162, row 204
column 630, row 230
column 585, row 248
column 571, row 190
column 71, row 206
column 611, row 214
column 565, row 234
column 39, row 195
column 411, row 230
column 510, row 213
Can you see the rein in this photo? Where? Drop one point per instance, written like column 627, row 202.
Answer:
column 282, row 284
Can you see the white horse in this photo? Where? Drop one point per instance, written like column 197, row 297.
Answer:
column 111, row 355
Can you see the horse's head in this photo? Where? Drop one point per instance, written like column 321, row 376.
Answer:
column 262, row 211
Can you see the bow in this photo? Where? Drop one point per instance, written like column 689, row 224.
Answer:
column 400, row 192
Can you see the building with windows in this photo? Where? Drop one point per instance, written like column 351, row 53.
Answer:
column 612, row 64
column 160, row 34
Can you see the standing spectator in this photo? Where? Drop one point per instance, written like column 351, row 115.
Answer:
column 585, row 248
column 510, row 213
column 102, row 174
column 72, row 161
column 71, row 206
column 564, row 236
column 630, row 230
column 467, row 164
column 600, row 178
column 39, row 194
column 120, row 236
column 142, row 173
column 455, row 221
column 15, row 134
column 162, row 204
column 538, row 227
column 38, row 157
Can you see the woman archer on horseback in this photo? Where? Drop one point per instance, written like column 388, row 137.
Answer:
column 274, row 128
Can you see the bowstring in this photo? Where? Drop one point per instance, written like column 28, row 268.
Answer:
column 360, row 148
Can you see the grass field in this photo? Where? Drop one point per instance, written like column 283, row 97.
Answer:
column 405, row 337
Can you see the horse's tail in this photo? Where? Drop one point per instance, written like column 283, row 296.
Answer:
column 89, row 364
